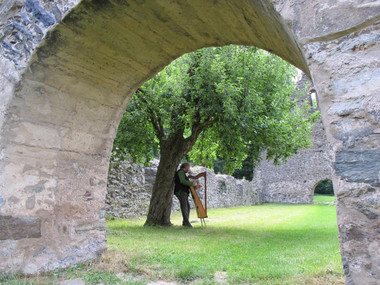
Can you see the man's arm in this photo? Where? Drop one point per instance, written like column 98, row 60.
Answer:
column 182, row 179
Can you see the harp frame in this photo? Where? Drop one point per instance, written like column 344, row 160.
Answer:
column 201, row 210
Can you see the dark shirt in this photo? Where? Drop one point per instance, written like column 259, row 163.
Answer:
column 181, row 181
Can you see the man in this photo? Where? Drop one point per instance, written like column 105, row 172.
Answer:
column 182, row 191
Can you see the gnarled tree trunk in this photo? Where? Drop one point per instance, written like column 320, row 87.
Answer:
column 162, row 193
column 172, row 150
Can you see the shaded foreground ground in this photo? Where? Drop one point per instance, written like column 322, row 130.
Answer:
column 265, row 244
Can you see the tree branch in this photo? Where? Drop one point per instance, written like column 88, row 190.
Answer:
column 195, row 132
column 153, row 118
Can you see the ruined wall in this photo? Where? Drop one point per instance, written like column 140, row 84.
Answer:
column 126, row 193
column 294, row 181
column 130, row 186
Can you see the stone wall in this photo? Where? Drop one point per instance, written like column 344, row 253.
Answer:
column 64, row 92
column 130, row 186
column 126, row 193
column 295, row 180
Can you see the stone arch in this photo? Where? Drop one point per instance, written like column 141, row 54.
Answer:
column 62, row 98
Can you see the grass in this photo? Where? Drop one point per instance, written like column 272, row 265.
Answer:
column 265, row 244
column 319, row 198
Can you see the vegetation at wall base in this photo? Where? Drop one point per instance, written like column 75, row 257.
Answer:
column 324, row 187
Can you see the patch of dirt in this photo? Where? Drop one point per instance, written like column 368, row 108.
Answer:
column 220, row 277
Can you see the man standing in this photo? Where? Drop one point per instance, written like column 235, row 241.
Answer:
column 181, row 191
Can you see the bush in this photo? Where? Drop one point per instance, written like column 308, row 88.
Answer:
column 324, row 187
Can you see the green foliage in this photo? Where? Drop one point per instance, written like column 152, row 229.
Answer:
column 324, row 187
column 229, row 103
column 135, row 136
column 245, row 172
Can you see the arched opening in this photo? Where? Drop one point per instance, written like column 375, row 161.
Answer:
column 157, row 109
column 60, row 114
column 122, row 232
column 324, row 192
column 70, row 100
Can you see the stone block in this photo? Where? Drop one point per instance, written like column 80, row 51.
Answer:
column 15, row 228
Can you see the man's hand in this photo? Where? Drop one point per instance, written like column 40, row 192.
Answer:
column 198, row 186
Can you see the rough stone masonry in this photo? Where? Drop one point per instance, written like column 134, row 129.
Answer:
column 130, row 186
column 70, row 67
column 295, row 180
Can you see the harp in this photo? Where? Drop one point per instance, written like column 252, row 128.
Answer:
column 201, row 210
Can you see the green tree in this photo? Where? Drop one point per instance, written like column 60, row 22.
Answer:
column 228, row 103
column 245, row 172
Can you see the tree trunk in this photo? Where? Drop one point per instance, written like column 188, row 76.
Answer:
column 162, row 193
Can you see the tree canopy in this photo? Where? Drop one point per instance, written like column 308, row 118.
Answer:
column 228, row 102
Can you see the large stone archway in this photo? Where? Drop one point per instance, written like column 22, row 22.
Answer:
column 68, row 70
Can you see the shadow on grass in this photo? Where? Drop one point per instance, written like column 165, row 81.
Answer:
column 248, row 255
column 217, row 231
column 269, row 244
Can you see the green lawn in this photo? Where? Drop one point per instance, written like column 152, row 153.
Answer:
column 319, row 198
column 265, row 244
